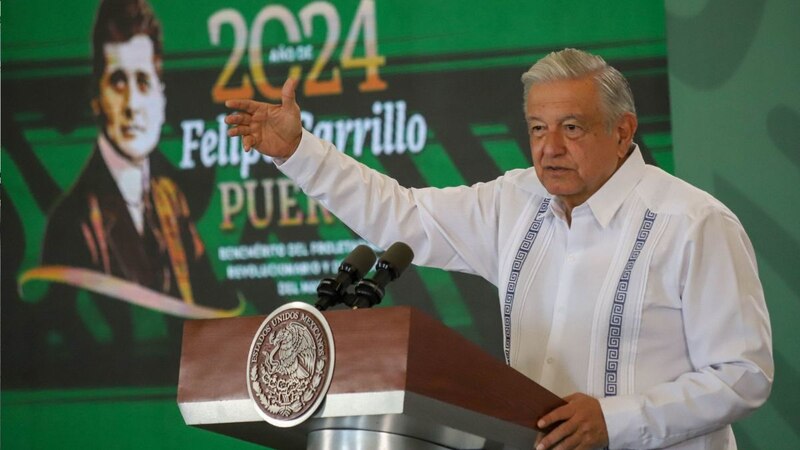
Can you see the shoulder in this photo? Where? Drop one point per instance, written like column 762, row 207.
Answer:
column 93, row 178
column 71, row 213
column 524, row 180
column 515, row 185
column 669, row 195
column 73, row 204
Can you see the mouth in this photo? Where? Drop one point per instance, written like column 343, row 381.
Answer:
column 556, row 169
column 132, row 129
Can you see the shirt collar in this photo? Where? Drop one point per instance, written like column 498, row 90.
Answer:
column 609, row 198
column 131, row 179
column 605, row 203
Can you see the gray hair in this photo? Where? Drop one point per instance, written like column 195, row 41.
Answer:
column 568, row 64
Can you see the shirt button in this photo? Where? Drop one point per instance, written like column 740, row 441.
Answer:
column 571, row 257
column 550, row 360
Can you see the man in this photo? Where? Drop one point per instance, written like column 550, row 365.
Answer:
column 622, row 288
column 125, row 217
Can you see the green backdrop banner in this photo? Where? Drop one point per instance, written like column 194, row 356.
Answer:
column 733, row 72
column 427, row 92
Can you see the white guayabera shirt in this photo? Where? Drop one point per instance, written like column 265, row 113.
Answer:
column 650, row 300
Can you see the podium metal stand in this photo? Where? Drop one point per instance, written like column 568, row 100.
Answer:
column 402, row 380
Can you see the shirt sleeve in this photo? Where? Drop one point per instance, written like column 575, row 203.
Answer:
column 451, row 228
column 728, row 338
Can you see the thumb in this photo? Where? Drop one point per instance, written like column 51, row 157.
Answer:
column 287, row 92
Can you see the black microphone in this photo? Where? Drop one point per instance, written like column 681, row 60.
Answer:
column 395, row 260
column 354, row 266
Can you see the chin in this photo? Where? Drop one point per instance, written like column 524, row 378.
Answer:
column 558, row 189
column 137, row 151
column 139, row 147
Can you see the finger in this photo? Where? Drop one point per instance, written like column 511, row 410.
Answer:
column 560, row 433
column 249, row 106
column 247, row 142
column 238, row 119
column 572, row 397
column 288, row 91
column 561, row 413
column 239, row 130
column 569, row 443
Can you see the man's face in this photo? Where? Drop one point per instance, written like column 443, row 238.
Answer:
column 573, row 153
column 132, row 97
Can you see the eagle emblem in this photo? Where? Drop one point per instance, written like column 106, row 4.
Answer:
column 293, row 353
column 291, row 364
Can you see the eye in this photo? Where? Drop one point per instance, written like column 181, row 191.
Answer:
column 117, row 80
column 143, row 82
column 537, row 130
column 573, row 130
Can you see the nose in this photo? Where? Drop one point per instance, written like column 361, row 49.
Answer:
column 136, row 99
column 553, row 143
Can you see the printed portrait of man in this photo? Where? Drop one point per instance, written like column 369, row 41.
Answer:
column 125, row 220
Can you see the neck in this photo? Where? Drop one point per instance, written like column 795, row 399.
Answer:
column 567, row 206
column 131, row 177
column 569, row 203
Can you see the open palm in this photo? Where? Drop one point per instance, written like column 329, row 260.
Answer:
column 273, row 130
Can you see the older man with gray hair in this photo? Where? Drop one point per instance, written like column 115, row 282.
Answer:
column 622, row 288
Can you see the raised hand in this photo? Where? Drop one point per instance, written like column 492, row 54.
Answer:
column 273, row 130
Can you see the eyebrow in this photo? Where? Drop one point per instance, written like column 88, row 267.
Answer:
column 560, row 119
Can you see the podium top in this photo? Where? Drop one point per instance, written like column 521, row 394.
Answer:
column 378, row 351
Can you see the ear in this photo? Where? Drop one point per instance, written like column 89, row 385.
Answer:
column 96, row 106
column 625, row 129
column 97, row 111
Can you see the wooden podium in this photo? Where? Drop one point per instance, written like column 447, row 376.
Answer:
column 402, row 380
